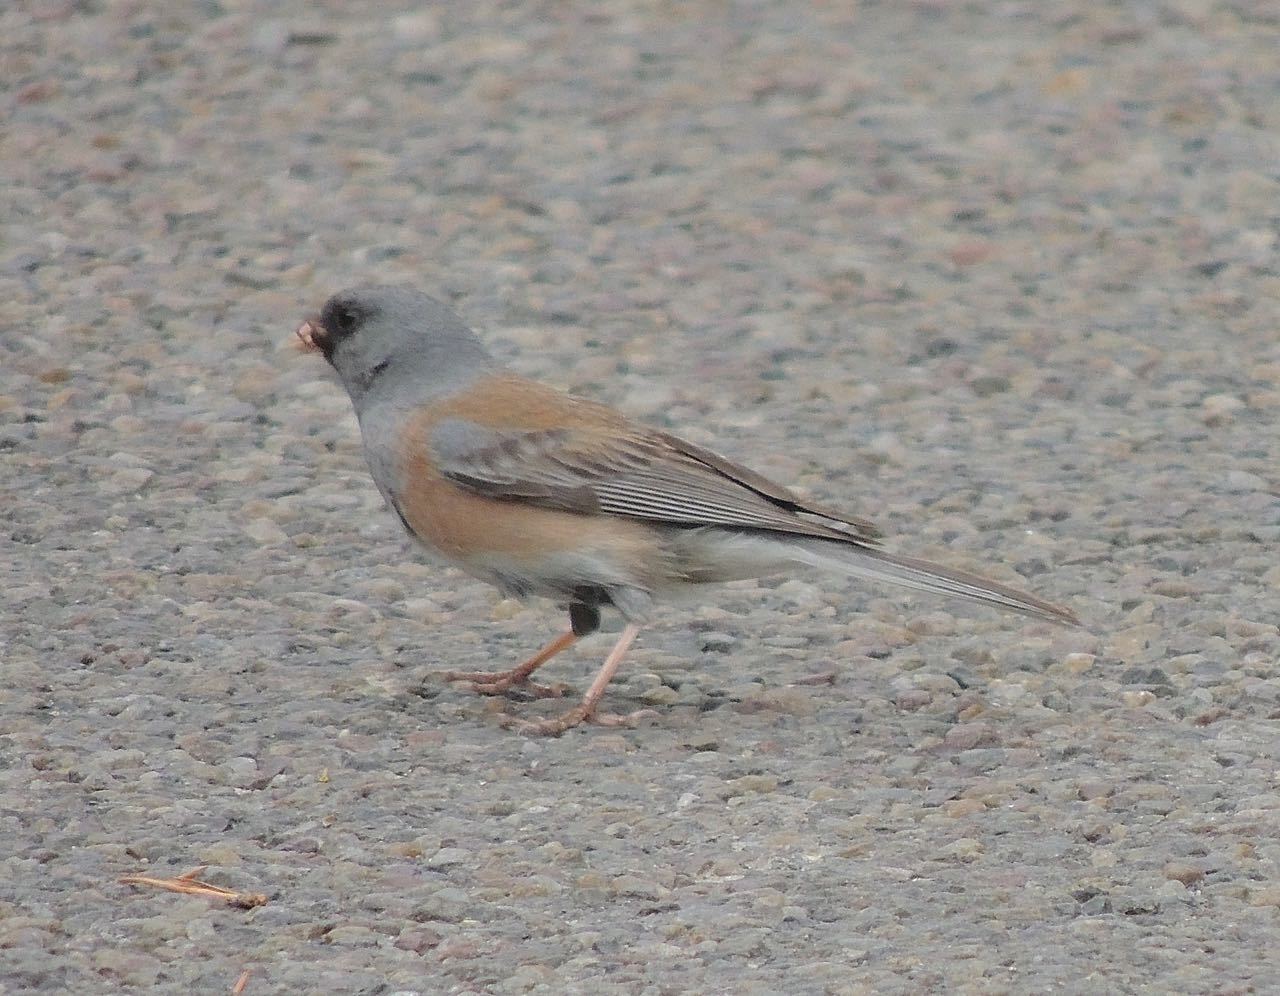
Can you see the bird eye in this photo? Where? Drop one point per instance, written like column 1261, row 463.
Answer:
column 344, row 318
column 341, row 318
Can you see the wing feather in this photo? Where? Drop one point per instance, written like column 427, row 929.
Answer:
column 635, row 474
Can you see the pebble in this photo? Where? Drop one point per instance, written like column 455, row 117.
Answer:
column 447, row 905
column 1137, row 643
column 1266, row 896
column 713, row 642
column 965, row 849
column 1241, row 481
column 966, row 736
column 128, row 481
column 749, row 784
column 447, row 857
column 240, row 771
column 352, row 935
column 1188, row 874
column 1006, row 693
column 418, row 940
column 634, row 886
column 1220, row 409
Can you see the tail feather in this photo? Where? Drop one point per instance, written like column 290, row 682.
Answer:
column 923, row 575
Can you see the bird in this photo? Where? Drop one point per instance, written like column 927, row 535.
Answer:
column 545, row 494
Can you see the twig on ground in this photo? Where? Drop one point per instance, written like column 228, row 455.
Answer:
column 189, row 884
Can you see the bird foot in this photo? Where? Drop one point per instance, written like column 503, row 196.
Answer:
column 501, row 682
column 574, row 717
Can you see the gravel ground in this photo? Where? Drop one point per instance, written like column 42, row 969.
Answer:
column 1001, row 276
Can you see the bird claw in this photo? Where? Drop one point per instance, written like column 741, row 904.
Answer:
column 575, row 717
column 501, row 682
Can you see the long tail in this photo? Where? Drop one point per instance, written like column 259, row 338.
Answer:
column 923, row 575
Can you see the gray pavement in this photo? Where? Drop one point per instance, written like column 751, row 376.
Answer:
column 1002, row 277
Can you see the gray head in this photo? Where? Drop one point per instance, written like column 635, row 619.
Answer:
column 380, row 339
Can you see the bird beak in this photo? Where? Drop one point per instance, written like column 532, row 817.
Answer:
column 307, row 334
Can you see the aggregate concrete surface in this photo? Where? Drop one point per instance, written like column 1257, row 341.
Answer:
column 1000, row 275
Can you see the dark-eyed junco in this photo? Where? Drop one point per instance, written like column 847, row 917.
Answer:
column 544, row 494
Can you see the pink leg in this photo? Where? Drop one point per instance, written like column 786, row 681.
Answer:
column 586, row 709
column 497, row 682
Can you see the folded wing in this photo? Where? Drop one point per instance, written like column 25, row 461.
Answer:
column 635, row 473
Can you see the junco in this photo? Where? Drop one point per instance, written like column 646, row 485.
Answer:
column 545, row 494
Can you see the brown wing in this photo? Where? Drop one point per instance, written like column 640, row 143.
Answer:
column 590, row 459
column 770, row 490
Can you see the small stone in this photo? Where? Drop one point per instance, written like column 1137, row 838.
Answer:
column 966, row 849
column 526, row 978
column 352, row 935
column 1096, row 906
column 135, row 970
column 933, row 624
column 637, row 887
column 983, row 758
column 419, row 940
column 1034, row 656
column 507, row 608
column 1136, row 905
column 886, row 448
column 422, row 608
column 612, row 743
column 749, row 785
column 1170, row 890
column 1006, row 693
column 911, row 699
column 270, row 38
column 789, row 701
column 1078, row 663
column 592, row 882
column 40, row 90
column 1187, row 874
column 1175, row 589
column 904, row 765
column 934, row 682
column 447, row 857
column 1220, row 409
column 1144, row 676
column 128, row 481
column 221, row 854
column 743, row 943
column 989, row 385
column 418, row 27
column 690, row 693
column 1242, row 481
column 717, row 643
column 1137, row 642
column 659, row 695
column 957, row 808
column 447, row 905
column 1267, row 896
column 265, row 531
column 241, row 772
column 966, row 736
column 120, row 760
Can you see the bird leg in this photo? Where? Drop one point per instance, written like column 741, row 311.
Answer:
column 586, row 710
column 498, row 682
